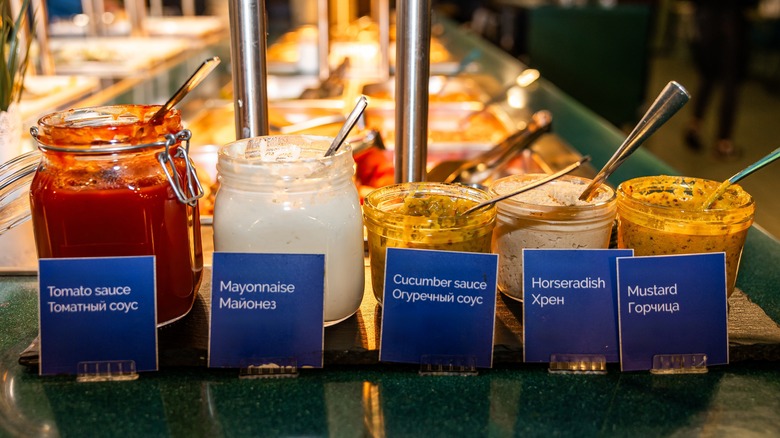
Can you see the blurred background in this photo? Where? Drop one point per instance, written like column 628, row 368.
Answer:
column 609, row 55
column 614, row 55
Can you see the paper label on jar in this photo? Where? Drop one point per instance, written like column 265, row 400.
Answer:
column 570, row 303
column 438, row 303
column 266, row 309
column 672, row 305
column 100, row 309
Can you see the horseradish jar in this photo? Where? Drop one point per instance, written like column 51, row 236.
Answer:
column 548, row 216
column 280, row 194
column 111, row 183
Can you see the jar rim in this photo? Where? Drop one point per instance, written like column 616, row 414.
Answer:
column 113, row 119
column 236, row 151
column 648, row 182
column 290, row 161
column 375, row 201
column 515, row 205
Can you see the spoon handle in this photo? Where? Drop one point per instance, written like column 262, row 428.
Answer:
column 483, row 167
column 200, row 74
column 352, row 118
column 533, row 185
column 770, row 157
column 671, row 99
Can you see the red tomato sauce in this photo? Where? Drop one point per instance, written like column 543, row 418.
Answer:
column 147, row 220
column 120, row 204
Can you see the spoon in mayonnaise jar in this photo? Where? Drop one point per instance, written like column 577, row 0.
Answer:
column 568, row 169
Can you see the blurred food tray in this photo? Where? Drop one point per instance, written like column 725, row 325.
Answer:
column 112, row 57
column 44, row 94
column 195, row 26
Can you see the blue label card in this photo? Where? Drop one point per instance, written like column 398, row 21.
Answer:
column 438, row 303
column 570, row 302
column 670, row 305
column 97, row 310
column 266, row 307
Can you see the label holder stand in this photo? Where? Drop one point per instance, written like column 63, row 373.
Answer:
column 106, row 371
column 448, row 365
column 577, row 364
column 270, row 368
column 693, row 363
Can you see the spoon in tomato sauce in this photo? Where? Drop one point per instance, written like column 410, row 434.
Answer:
column 200, row 74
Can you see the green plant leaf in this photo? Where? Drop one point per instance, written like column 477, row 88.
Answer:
column 14, row 55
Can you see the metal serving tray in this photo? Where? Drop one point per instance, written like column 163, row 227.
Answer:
column 112, row 57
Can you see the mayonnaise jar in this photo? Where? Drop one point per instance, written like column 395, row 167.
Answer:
column 280, row 194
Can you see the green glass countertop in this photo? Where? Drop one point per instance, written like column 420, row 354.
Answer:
column 379, row 400
column 736, row 400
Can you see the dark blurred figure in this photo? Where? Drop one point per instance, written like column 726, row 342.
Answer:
column 720, row 53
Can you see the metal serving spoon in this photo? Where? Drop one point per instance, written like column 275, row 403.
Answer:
column 200, row 74
column 482, row 168
column 352, row 118
column 770, row 157
column 532, row 185
column 671, row 99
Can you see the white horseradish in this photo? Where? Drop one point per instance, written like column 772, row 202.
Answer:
column 549, row 216
column 289, row 198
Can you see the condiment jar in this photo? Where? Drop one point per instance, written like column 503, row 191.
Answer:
column 424, row 215
column 664, row 215
column 548, row 216
column 110, row 184
column 280, row 194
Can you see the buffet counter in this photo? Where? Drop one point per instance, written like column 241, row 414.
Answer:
column 355, row 395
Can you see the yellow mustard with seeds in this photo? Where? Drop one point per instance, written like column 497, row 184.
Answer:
column 664, row 215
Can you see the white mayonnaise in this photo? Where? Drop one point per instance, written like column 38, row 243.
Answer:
column 281, row 195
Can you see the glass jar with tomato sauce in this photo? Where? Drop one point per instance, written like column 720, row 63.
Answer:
column 111, row 183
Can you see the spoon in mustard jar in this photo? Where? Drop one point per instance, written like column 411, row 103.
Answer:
column 673, row 97
column 568, row 169
column 721, row 189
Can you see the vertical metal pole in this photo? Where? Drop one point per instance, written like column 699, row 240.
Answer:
column 155, row 8
column 136, row 14
column 248, row 52
column 89, row 9
column 380, row 12
column 413, row 64
column 95, row 9
column 42, row 36
column 323, row 38
column 188, row 8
